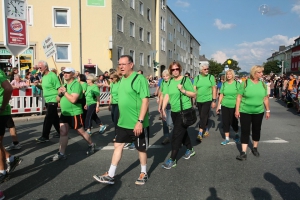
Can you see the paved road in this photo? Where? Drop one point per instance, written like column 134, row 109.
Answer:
column 213, row 173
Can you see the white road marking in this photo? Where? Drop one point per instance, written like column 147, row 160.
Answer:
column 276, row 140
column 112, row 147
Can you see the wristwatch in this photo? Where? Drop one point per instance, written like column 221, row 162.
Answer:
column 141, row 121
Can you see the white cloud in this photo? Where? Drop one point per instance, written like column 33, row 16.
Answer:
column 219, row 56
column 218, row 23
column 296, row 8
column 275, row 40
column 184, row 4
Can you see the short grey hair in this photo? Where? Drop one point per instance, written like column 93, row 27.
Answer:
column 44, row 63
column 91, row 77
column 203, row 65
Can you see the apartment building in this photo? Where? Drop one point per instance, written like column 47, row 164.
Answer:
column 93, row 34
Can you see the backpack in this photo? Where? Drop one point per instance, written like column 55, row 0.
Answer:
column 198, row 78
column 235, row 85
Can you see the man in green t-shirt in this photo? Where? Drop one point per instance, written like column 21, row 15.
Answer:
column 205, row 85
column 133, row 121
column 69, row 97
column 50, row 85
column 6, row 121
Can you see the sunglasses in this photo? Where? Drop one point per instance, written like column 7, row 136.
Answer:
column 206, row 69
column 67, row 72
column 176, row 69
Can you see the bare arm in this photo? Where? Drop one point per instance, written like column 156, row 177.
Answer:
column 6, row 94
column 237, row 105
column 72, row 97
column 219, row 101
column 267, row 106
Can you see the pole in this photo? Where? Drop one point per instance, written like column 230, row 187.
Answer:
column 57, row 71
column 282, row 65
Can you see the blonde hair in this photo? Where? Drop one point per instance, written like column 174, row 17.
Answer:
column 229, row 71
column 91, row 77
column 165, row 72
column 254, row 69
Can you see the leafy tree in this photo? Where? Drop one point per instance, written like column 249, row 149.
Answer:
column 271, row 66
column 215, row 68
column 233, row 65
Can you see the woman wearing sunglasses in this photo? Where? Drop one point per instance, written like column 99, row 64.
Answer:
column 178, row 87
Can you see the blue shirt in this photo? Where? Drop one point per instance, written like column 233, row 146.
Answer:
column 159, row 82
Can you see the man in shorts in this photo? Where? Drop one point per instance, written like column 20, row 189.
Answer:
column 69, row 97
column 6, row 122
column 133, row 120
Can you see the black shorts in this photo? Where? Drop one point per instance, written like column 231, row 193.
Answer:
column 75, row 122
column 125, row 135
column 6, row 121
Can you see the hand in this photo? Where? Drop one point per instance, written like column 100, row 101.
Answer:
column 179, row 86
column 85, row 107
column 164, row 115
column 237, row 114
column 97, row 109
column 109, row 107
column 157, row 100
column 267, row 115
column 217, row 110
column 159, row 109
column 213, row 105
column 138, row 129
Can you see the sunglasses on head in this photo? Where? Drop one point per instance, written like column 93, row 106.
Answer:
column 176, row 69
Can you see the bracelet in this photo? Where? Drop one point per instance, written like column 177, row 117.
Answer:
column 268, row 111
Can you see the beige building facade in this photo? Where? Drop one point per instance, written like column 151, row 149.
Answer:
column 93, row 34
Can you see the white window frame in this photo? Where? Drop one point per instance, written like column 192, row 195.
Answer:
column 55, row 9
column 149, row 60
column 69, row 60
column 149, row 16
column 141, row 59
column 133, row 31
column 133, row 55
column 149, row 37
column 30, row 15
column 122, row 23
column 141, row 38
column 163, row 44
column 132, row 4
column 141, row 7
column 121, row 53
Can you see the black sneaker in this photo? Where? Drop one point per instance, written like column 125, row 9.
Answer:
column 105, row 178
column 42, row 139
column 56, row 135
column 12, row 165
column 242, row 156
column 142, row 179
column 91, row 149
column 255, row 152
column 3, row 177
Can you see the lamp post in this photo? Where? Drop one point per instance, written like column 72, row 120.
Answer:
column 153, row 53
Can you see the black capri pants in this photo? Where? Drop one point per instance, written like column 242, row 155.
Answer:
column 229, row 119
column 246, row 121
column 180, row 134
column 203, row 109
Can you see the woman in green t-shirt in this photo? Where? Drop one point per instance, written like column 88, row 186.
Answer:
column 178, row 87
column 250, row 103
column 92, row 95
column 82, row 80
column 114, row 99
column 227, row 99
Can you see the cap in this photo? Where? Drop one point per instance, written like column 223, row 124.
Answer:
column 69, row 69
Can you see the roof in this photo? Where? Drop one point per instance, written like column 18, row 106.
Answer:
column 202, row 58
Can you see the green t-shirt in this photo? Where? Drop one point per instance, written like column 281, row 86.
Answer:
column 91, row 94
column 229, row 92
column 174, row 94
column 204, row 85
column 84, row 86
column 68, row 108
column 7, row 110
column 114, row 88
column 50, row 84
column 132, row 92
column 252, row 97
column 164, row 87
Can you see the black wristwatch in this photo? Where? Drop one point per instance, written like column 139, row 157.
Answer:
column 141, row 121
column 214, row 100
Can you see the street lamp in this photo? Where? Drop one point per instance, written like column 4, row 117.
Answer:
column 153, row 53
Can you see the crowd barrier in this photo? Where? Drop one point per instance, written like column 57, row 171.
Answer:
column 24, row 102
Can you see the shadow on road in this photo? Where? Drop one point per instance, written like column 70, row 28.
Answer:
column 213, row 194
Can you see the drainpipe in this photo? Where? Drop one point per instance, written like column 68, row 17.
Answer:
column 80, row 38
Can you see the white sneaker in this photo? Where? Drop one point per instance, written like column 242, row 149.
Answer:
column 13, row 147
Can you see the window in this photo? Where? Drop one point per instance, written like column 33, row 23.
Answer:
column 163, row 44
column 132, row 54
column 141, row 8
column 141, row 59
column 149, row 61
column 163, row 4
column 149, row 14
column 29, row 15
column 149, row 37
column 132, row 4
column 119, row 23
column 141, row 34
column 120, row 52
column 62, row 17
column 63, row 53
column 162, row 23
column 170, row 54
column 132, row 29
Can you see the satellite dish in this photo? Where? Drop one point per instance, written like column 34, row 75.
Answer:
column 264, row 9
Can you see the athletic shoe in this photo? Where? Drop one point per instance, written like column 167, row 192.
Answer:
column 225, row 142
column 127, row 145
column 166, row 141
column 12, row 165
column 206, row 134
column 242, row 156
column 102, row 129
column 131, row 147
column 237, row 138
column 59, row 156
column 3, row 177
column 188, row 154
column 255, row 152
column 105, row 178
column 169, row 164
column 199, row 138
column 142, row 179
column 13, row 147
column 2, row 195
column 42, row 139
column 91, row 149
column 56, row 135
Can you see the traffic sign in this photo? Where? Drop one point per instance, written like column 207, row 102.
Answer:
column 49, row 46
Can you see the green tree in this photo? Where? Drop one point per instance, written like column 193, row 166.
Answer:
column 271, row 66
column 233, row 65
column 215, row 68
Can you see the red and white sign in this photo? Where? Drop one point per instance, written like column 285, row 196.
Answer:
column 16, row 32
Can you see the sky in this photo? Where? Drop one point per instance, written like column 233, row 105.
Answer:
column 245, row 30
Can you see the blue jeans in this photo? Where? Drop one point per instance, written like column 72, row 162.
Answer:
column 168, row 123
column 115, row 115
